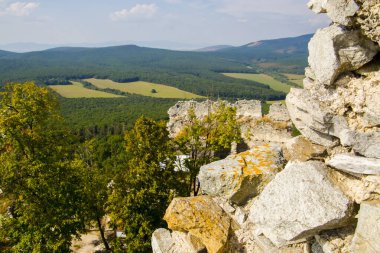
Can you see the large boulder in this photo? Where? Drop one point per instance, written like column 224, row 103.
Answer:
column 241, row 176
column 355, row 164
column 200, row 217
column 335, row 50
column 300, row 202
column 366, row 238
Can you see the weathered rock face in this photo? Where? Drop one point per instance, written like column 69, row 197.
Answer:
column 366, row 238
column 241, row 176
column 300, row 202
column 355, row 164
column 301, row 149
column 336, row 241
column 342, row 50
column 178, row 114
column 202, row 218
column 340, row 11
column 358, row 188
column 163, row 241
column 279, row 112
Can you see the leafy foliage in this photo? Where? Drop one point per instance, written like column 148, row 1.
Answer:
column 145, row 188
column 37, row 174
column 204, row 139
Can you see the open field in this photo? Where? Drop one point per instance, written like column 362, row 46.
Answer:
column 76, row 90
column 262, row 78
column 144, row 88
column 297, row 79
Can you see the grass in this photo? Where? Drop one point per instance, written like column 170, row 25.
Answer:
column 76, row 90
column 264, row 79
column 297, row 79
column 144, row 88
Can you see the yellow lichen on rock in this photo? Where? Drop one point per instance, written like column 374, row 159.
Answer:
column 202, row 218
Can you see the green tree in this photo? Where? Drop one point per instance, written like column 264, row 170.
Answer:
column 145, row 188
column 203, row 139
column 37, row 174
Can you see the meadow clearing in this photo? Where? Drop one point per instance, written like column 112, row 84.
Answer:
column 143, row 88
column 76, row 90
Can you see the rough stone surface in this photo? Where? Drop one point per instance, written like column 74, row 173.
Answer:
column 336, row 241
column 161, row 241
column 334, row 50
column 309, row 118
column 355, row 164
column 368, row 19
column 241, row 176
column 340, row 11
column 367, row 144
column 200, row 217
column 366, row 238
column 176, row 242
column 358, row 188
column 301, row 149
column 278, row 112
column 298, row 203
column 178, row 114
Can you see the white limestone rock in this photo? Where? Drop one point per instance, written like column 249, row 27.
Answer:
column 355, row 164
column 300, row 202
column 335, row 50
column 309, row 118
column 367, row 144
column 278, row 112
column 337, row 240
column 241, row 176
column 366, row 238
column 340, row 11
column 163, row 241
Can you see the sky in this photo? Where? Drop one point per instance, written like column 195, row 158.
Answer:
column 187, row 22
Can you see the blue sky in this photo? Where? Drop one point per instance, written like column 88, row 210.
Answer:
column 195, row 22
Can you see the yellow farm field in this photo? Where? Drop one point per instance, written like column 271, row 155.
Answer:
column 143, row 88
column 297, row 79
column 262, row 78
column 76, row 90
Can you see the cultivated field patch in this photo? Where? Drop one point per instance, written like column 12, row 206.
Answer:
column 143, row 88
column 264, row 79
column 76, row 90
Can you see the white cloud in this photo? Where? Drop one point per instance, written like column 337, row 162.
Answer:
column 138, row 11
column 21, row 9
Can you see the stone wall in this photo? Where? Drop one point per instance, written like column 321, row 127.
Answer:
column 256, row 129
column 324, row 195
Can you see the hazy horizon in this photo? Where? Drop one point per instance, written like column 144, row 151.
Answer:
column 171, row 23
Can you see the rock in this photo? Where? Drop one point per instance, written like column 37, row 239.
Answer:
column 278, row 112
column 355, row 164
column 240, row 216
column 309, row 118
column 241, row 176
column 367, row 144
column 246, row 110
column 336, row 241
column 265, row 130
column 334, row 50
column 176, row 242
column 300, row 202
column 317, row 6
column 202, row 218
column 301, row 149
column 358, row 188
column 341, row 11
column 161, row 241
column 368, row 19
column 366, row 238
